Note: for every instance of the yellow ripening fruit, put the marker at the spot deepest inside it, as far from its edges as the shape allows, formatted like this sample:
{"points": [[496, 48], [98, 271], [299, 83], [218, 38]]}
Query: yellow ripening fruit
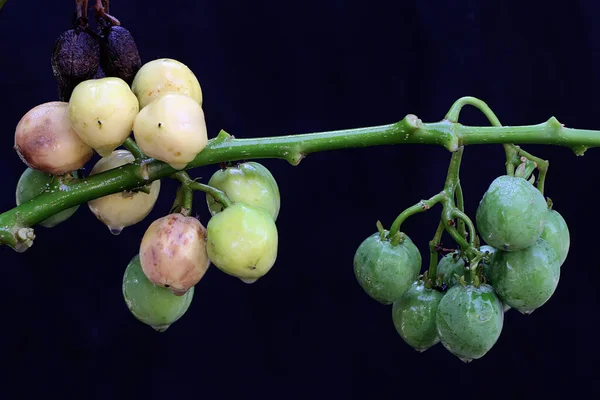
{"points": [[45, 141], [173, 252], [165, 75], [102, 112], [171, 129], [120, 210]]}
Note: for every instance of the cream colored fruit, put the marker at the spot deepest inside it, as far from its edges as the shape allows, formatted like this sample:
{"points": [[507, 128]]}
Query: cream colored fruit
{"points": [[102, 112], [173, 252], [45, 141], [120, 210], [165, 75], [171, 129]]}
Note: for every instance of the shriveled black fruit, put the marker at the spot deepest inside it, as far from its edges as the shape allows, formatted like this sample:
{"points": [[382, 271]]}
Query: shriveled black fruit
{"points": [[75, 58], [119, 56]]}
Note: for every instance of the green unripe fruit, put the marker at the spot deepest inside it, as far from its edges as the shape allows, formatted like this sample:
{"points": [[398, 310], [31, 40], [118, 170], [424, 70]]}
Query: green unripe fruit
{"points": [[31, 184], [511, 214], [449, 266], [386, 271], [242, 241], [469, 321], [526, 279], [153, 305], [556, 233], [414, 315], [250, 183]]}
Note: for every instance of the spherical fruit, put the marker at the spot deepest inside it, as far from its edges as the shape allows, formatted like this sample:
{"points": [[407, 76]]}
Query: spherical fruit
{"points": [[249, 183], [173, 252], [414, 316], [102, 112], [165, 75], [556, 233], [31, 184], [526, 279], [386, 271], [171, 129], [242, 241], [450, 265], [149, 303], [45, 141], [120, 210], [511, 214], [469, 321]]}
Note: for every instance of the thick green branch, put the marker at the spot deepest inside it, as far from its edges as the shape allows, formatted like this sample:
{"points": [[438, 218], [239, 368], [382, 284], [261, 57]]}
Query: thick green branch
{"points": [[292, 148]]}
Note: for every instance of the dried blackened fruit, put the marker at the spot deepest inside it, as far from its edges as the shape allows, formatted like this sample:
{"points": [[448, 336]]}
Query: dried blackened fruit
{"points": [[75, 58], [100, 74], [119, 56]]}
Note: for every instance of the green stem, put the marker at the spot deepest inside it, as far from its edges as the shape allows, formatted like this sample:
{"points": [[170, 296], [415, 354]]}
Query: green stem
{"points": [[420, 207], [216, 194], [460, 204], [292, 148], [133, 148], [433, 254]]}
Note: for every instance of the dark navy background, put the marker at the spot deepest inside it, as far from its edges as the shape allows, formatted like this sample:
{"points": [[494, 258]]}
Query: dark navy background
{"points": [[306, 330]]}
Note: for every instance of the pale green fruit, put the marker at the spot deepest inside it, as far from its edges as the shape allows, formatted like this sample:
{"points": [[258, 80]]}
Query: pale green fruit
{"points": [[242, 241], [149, 303]]}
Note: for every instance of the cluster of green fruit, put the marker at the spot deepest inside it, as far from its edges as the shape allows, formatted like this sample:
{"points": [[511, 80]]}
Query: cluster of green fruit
{"points": [[162, 107], [463, 305]]}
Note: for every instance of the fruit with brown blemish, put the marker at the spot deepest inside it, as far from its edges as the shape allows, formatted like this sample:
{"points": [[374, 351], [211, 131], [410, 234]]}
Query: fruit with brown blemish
{"points": [[173, 252], [162, 76], [45, 140], [102, 112], [171, 129], [149, 303], [120, 210], [242, 241]]}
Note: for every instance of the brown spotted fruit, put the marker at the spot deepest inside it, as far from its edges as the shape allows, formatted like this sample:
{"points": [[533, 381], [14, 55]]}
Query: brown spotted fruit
{"points": [[173, 252], [45, 140]]}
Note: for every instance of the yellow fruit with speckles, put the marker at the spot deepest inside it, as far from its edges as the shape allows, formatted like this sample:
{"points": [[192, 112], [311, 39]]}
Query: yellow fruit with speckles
{"points": [[171, 129]]}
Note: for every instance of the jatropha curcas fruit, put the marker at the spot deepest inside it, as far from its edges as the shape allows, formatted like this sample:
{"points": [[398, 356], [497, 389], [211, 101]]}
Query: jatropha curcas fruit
{"points": [[149, 303], [102, 112], [173, 252], [171, 129], [75, 58], [119, 55], [45, 140], [120, 210], [165, 75]]}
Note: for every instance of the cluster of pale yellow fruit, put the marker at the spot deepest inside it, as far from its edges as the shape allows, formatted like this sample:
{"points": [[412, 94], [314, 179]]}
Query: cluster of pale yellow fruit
{"points": [[163, 109]]}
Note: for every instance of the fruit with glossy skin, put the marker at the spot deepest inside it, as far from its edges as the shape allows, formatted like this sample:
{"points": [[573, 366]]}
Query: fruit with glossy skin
{"points": [[149, 303], [45, 141], [511, 214], [242, 241], [450, 265], [526, 279], [120, 210], [31, 184], [173, 252], [102, 112], [556, 233], [469, 321], [171, 129], [165, 75], [386, 271], [414, 316], [250, 183]]}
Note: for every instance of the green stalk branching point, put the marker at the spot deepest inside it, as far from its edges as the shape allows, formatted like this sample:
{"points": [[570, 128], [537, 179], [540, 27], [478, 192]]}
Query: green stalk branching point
{"points": [[294, 148]]}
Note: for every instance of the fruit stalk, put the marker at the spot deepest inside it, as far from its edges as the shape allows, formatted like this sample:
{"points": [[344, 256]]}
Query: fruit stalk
{"points": [[292, 148]]}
